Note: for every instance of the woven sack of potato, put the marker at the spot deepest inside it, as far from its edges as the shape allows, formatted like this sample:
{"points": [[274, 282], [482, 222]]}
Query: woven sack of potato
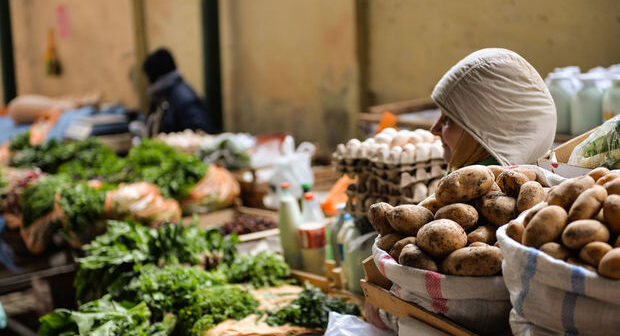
{"points": [[551, 296]]}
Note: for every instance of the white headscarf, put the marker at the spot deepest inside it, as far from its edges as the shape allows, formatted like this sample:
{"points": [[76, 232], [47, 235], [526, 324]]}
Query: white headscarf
{"points": [[500, 99]]}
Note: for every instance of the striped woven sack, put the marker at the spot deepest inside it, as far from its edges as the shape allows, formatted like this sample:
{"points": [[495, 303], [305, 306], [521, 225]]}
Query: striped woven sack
{"points": [[552, 297], [480, 304]]}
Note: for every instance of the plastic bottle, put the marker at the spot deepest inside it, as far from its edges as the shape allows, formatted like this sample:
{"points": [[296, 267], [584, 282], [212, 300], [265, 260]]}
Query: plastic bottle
{"points": [[611, 98], [357, 249], [346, 226], [586, 105], [560, 86], [335, 227], [312, 233], [289, 220], [349, 260]]}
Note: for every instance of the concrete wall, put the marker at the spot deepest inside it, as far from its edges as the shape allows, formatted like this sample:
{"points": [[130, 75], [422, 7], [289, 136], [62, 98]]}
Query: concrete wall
{"points": [[98, 55], [411, 44], [177, 26], [290, 66]]}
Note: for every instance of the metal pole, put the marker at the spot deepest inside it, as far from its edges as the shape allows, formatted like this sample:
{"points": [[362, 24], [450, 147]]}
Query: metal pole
{"points": [[211, 52], [6, 48]]}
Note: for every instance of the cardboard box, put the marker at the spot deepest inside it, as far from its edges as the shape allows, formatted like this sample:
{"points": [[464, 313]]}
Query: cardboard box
{"points": [[562, 154]]}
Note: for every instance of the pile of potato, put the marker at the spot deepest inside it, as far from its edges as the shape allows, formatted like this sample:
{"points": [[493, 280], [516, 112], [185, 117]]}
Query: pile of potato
{"points": [[454, 231], [578, 223]]}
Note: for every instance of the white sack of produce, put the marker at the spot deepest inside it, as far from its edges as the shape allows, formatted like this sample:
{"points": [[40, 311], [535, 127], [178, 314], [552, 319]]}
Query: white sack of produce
{"points": [[480, 304], [552, 297], [601, 148], [218, 189], [143, 202]]}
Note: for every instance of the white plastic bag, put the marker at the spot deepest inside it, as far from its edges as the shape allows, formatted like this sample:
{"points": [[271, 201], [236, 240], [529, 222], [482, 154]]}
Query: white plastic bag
{"points": [[552, 297], [349, 325], [293, 166]]}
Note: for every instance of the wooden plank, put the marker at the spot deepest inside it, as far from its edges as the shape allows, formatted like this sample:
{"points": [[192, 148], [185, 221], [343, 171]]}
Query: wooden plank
{"points": [[259, 235], [373, 275], [383, 299], [404, 106], [375, 118], [316, 280]]}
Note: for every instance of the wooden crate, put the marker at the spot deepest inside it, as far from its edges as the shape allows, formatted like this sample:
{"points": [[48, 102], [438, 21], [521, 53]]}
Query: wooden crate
{"points": [[376, 291], [426, 113], [218, 218]]}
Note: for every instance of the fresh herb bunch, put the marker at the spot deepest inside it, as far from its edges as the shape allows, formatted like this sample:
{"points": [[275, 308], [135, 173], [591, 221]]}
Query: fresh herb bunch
{"points": [[93, 160], [174, 172], [105, 317], [20, 141], [82, 205], [220, 303], [111, 257], [169, 288], [311, 309], [40, 198], [262, 270]]}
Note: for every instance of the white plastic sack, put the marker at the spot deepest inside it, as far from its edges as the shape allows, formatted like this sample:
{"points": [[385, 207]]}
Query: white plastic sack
{"points": [[480, 304], [293, 166], [349, 325], [552, 297], [409, 326]]}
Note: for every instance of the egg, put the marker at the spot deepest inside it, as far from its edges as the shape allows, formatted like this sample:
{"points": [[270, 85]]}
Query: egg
{"points": [[389, 131], [394, 157], [400, 139], [414, 138], [423, 151], [383, 138]]}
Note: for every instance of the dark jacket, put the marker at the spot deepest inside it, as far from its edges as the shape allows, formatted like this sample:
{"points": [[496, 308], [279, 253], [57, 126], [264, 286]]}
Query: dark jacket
{"points": [[175, 107]]}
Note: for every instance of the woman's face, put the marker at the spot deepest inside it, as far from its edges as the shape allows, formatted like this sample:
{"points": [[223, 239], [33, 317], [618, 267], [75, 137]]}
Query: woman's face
{"points": [[450, 133]]}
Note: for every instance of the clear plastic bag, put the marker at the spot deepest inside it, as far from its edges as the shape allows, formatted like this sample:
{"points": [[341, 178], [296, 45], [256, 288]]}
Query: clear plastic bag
{"points": [[349, 325], [601, 148]]}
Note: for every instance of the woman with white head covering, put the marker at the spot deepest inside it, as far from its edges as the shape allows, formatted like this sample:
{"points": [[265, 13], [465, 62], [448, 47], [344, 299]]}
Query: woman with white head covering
{"points": [[496, 109]]}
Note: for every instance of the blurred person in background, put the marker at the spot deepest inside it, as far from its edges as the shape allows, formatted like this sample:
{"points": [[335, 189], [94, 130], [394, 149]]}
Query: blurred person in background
{"points": [[174, 106]]}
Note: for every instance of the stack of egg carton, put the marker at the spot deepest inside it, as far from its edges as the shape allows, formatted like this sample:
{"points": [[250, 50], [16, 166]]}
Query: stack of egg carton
{"points": [[397, 167]]}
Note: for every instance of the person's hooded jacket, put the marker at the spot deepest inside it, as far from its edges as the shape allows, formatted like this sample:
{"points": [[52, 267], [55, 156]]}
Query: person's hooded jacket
{"points": [[498, 97]]}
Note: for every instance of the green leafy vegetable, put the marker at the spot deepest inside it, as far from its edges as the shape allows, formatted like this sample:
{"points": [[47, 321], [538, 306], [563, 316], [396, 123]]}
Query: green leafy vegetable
{"points": [[174, 172], [220, 303], [262, 270], [105, 317], [20, 141], [39, 199], [170, 288], [83, 206], [311, 309]]}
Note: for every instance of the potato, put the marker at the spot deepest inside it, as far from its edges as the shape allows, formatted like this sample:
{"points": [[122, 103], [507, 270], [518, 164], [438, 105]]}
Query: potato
{"points": [[579, 233], [578, 262], [531, 193], [464, 185], [386, 242], [528, 172], [607, 178], [413, 256], [498, 208], [474, 244], [511, 181], [473, 261], [611, 213], [495, 187], [610, 264], [398, 247], [464, 214], [377, 215], [588, 204], [440, 237], [567, 192], [431, 203], [484, 234], [528, 217], [547, 191], [514, 230], [408, 219], [613, 187], [556, 250], [496, 170], [599, 172], [593, 252], [546, 226], [600, 216]]}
